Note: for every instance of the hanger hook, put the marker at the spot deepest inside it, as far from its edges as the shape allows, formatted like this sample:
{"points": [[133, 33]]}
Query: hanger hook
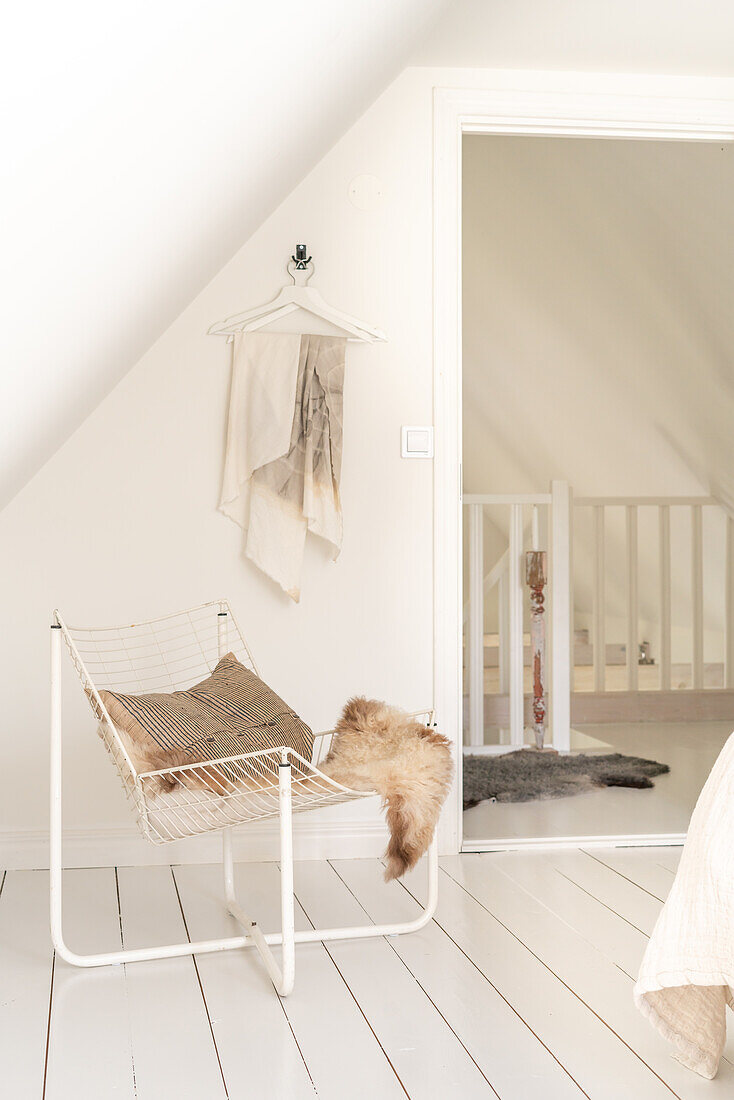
{"points": [[300, 262]]}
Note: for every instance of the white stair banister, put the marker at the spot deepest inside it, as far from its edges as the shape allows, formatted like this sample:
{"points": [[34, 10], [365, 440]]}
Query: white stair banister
{"points": [[697, 593], [632, 599], [665, 658], [599, 615], [504, 636], [516, 592], [561, 632], [476, 624], [729, 606], [504, 633], [495, 575], [508, 574]]}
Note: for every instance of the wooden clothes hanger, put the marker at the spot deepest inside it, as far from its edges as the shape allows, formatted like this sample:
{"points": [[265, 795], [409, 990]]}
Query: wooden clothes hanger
{"points": [[297, 296]]}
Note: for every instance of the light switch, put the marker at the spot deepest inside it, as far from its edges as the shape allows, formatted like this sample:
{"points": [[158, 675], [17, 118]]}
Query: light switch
{"points": [[417, 441]]}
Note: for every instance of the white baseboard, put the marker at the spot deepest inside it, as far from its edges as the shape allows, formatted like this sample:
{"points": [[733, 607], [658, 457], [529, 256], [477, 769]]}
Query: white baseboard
{"points": [[126, 847], [489, 750], [631, 840]]}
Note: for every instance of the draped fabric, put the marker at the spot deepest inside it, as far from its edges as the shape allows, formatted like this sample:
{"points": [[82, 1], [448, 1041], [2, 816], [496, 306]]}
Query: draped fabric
{"points": [[687, 975], [284, 447]]}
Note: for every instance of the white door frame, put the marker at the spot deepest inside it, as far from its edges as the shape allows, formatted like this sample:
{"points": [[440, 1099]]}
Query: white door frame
{"points": [[685, 108]]}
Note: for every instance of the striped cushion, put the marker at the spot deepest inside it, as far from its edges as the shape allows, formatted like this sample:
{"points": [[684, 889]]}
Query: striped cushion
{"points": [[230, 713]]}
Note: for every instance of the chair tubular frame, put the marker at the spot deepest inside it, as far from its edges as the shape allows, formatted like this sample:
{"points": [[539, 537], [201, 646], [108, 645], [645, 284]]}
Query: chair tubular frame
{"points": [[281, 974]]}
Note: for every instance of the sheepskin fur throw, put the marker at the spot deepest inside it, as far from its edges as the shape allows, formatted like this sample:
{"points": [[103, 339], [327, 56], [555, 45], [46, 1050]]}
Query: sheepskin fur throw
{"points": [[380, 748]]}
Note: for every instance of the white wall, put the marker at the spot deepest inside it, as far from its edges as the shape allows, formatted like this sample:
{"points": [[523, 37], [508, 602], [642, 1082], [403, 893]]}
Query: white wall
{"points": [[122, 523], [596, 274]]}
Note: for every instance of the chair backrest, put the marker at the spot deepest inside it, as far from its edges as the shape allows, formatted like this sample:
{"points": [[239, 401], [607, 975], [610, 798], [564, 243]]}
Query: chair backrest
{"points": [[165, 654]]}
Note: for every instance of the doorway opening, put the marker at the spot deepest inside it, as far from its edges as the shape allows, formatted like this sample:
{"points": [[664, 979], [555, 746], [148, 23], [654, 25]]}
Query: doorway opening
{"points": [[595, 276]]}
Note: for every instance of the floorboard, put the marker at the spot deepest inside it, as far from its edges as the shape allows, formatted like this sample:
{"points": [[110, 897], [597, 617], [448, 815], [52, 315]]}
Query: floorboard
{"points": [[173, 1047], [25, 983], [631, 864], [89, 1046], [617, 894], [577, 1037], [620, 941], [520, 989], [257, 1061], [669, 858], [319, 1028], [427, 1055], [637, 906], [503, 1045], [596, 981]]}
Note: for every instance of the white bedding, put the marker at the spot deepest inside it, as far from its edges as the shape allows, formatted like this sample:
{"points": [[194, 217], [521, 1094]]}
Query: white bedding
{"points": [[687, 975]]}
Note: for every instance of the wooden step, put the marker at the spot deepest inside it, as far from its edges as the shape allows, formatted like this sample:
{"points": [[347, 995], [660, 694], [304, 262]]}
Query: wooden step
{"points": [[583, 653], [683, 705]]}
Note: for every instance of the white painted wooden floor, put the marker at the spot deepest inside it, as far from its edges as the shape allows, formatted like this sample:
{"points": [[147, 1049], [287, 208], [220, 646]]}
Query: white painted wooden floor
{"points": [[520, 989]]}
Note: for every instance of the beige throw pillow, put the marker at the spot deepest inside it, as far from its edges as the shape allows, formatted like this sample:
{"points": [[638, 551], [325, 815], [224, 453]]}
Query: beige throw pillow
{"points": [[230, 713]]}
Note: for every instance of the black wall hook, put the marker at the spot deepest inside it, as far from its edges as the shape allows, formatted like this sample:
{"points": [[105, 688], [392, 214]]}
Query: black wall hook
{"points": [[300, 259]]}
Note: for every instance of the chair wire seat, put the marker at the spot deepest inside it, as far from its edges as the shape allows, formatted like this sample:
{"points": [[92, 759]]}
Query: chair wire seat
{"points": [[169, 654]]}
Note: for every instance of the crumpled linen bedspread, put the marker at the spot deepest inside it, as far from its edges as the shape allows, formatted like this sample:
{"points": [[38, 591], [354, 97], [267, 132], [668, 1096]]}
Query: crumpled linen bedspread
{"points": [[687, 975]]}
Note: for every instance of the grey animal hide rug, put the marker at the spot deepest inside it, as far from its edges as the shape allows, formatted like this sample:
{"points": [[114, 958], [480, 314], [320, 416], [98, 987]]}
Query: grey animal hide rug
{"points": [[527, 775]]}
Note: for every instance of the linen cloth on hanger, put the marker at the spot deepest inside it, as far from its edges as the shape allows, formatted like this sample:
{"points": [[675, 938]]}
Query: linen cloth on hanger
{"points": [[284, 448]]}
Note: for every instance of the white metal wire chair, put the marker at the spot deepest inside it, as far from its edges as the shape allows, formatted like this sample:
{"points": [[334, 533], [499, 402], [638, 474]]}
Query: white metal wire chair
{"points": [[167, 654]]}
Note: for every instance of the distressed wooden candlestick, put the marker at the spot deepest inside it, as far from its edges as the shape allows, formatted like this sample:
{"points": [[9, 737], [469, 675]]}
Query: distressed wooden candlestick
{"points": [[535, 577]]}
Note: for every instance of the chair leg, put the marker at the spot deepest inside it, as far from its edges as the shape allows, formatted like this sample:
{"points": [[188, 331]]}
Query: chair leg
{"points": [[287, 916], [354, 932], [282, 976], [55, 790], [228, 867]]}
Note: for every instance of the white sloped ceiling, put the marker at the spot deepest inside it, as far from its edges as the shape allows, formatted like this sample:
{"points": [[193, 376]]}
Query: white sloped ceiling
{"points": [[143, 145]]}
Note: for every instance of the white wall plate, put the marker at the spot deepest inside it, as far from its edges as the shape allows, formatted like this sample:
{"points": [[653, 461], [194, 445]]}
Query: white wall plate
{"points": [[416, 441]]}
